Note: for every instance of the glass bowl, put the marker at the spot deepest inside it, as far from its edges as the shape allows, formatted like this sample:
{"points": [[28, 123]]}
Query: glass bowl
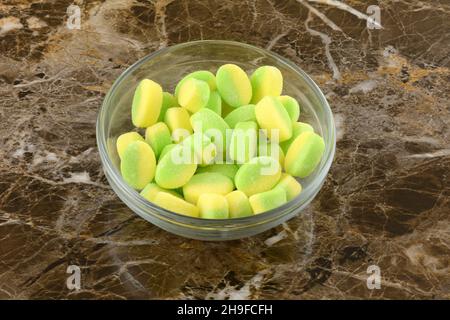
{"points": [[167, 66]]}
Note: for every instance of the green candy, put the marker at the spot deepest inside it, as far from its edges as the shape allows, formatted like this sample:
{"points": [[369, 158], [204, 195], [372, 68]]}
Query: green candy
{"points": [[258, 175], [234, 85], [138, 164], [304, 154], [175, 169], [244, 113]]}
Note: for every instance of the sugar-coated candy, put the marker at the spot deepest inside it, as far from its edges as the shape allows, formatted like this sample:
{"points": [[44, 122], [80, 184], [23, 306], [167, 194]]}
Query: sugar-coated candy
{"points": [[212, 125], [147, 102], [177, 119], [215, 102], [175, 169], [193, 95], [272, 116], [268, 200], [243, 113], [152, 189], [304, 154], [258, 175], [137, 165], [203, 75], [234, 85], [292, 187], [297, 129], [213, 206], [125, 139], [158, 136], [208, 182], [291, 106], [227, 169], [266, 81], [238, 204], [169, 101], [175, 204]]}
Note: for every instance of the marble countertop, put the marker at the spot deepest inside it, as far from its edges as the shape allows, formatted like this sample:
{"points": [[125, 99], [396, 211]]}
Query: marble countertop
{"points": [[385, 206]]}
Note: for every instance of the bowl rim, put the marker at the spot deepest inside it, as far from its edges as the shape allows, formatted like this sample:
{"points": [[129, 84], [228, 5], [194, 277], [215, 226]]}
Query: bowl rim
{"points": [[150, 208]]}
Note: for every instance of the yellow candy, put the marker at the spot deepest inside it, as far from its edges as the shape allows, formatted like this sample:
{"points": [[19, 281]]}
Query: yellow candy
{"points": [[304, 154], [208, 182], [213, 206], [268, 200], [177, 119], [152, 189], [233, 85], [175, 204], [258, 175], [158, 136], [193, 95], [271, 115], [238, 204], [125, 139], [266, 81], [147, 102], [290, 185], [138, 164]]}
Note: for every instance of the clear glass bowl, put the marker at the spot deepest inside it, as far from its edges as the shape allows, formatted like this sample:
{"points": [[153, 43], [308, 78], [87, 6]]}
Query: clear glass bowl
{"points": [[167, 66]]}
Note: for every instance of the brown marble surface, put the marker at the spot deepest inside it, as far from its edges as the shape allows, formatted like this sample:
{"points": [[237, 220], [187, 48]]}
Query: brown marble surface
{"points": [[386, 201]]}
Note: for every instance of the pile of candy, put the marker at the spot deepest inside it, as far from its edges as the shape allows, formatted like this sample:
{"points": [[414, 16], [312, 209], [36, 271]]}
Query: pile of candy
{"points": [[223, 146]]}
